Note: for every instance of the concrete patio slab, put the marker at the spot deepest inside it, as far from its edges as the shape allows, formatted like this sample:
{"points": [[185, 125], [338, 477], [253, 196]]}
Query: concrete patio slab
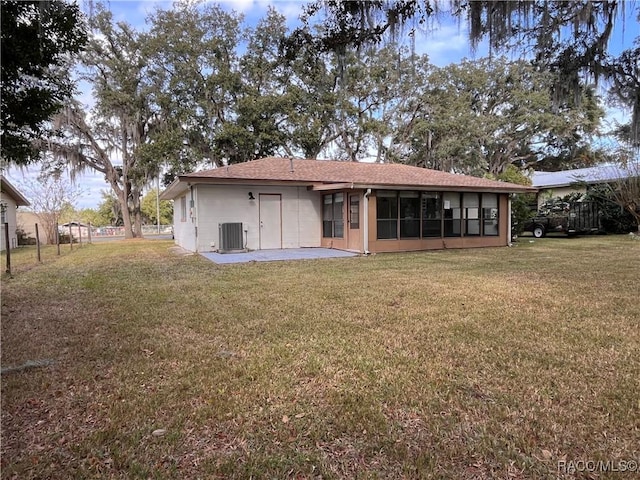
{"points": [[276, 255]]}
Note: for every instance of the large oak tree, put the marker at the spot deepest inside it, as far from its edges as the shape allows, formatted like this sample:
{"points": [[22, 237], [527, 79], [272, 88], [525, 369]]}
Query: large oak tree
{"points": [[118, 135]]}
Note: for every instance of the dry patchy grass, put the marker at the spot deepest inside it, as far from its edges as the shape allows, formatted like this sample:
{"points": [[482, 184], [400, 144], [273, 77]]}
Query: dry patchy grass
{"points": [[491, 363]]}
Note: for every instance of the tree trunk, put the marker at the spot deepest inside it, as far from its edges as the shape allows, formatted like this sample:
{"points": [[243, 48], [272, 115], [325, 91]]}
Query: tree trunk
{"points": [[122, 196], [126, 216], [137, 214]]}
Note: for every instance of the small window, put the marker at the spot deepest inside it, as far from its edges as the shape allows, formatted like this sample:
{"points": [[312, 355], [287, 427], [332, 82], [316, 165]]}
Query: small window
{"points": [[354, 212], [3, 214], [338, 217], [183, 209]]}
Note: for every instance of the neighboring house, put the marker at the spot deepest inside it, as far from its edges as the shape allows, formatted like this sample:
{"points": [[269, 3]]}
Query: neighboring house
{"points": [[565, 182], [275, 203], [10, 200], [27, 222]]}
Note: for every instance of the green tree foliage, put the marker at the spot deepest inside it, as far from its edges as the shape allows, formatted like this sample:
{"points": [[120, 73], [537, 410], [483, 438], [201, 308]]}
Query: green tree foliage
{"points": [[234, 107], [377, 90], [314, 97], [484, 115], [614, 218], [521, 203], [566, 38], [625, 191], [625, 90], [110, 210], [193, 50], [91, 216], [149, 207], [38, 41]]}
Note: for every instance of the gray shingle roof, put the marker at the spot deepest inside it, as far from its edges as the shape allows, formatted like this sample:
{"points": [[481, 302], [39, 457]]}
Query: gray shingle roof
{"points": [[591, 175]]}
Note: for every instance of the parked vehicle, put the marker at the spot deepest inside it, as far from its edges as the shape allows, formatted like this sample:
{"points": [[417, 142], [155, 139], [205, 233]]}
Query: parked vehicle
{"points": [[563, 217]]}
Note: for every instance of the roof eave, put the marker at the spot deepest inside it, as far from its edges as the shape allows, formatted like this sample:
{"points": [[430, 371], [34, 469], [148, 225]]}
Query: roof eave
{"points": [[13, 192], [194, 180], [175, 189], [448, 188]]}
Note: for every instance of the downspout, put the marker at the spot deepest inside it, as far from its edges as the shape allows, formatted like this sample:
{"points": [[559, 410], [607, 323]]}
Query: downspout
{"points": [[366, 221], [509, 233]]}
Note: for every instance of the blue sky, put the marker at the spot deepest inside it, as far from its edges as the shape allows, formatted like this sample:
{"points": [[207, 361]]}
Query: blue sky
{"points": [[447, 42]]}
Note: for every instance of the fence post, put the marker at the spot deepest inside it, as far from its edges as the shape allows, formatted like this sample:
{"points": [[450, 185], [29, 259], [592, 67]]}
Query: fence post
{"points": [[7, 244], [38, 243], [58, 238], [79, 235], [89, 232]]}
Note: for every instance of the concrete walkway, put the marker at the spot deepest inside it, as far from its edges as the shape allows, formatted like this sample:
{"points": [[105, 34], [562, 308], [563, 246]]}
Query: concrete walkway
{"points": [[274, 255]]}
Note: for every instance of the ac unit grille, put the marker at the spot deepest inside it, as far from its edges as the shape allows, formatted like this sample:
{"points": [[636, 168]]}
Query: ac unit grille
{"points": [[231, 237]]}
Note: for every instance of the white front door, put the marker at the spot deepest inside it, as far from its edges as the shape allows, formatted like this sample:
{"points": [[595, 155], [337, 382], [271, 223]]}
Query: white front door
{"points": [[270, 221]]}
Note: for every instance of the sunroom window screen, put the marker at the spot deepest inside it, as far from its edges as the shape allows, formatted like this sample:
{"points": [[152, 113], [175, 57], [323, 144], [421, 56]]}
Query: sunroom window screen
{"points": [[409, 215], [451, 208], [490, 214], [471, 205], [387, 213], [431, 214]]}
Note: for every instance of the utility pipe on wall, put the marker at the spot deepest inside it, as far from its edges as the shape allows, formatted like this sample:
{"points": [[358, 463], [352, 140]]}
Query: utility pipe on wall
{"points": [[509, 234], [366, 221]]}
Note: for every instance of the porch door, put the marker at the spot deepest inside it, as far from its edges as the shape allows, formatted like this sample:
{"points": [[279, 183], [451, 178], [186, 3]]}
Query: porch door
{"points": [[354, 235], [270, 221]]}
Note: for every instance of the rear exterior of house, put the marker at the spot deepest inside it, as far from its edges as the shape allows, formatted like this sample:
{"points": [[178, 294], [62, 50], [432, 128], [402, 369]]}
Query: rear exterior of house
{"points": [[277, 203], [277, 217]]}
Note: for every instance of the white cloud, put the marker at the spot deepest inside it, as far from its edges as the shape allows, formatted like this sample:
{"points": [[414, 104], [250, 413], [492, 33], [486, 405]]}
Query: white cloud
{"points": [[256, 9], [240, 6], [447, 43]]}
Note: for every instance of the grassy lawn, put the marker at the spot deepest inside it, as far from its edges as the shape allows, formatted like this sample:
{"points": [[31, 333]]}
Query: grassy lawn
{"points": [[486, 363]]}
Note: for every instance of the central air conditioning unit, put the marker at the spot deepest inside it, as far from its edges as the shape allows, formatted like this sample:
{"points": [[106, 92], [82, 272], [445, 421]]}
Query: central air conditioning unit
{"points": [[231, 237]]}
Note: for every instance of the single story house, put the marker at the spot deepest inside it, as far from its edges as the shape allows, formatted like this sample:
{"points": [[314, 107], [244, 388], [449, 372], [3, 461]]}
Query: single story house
{"points": [[79, 230], [274, 203], [562, 183], [10, 200]]}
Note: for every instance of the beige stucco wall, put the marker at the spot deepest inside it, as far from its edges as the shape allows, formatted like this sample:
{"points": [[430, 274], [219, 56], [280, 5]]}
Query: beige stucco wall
{"points": [[27, 221], [216, 204]]}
